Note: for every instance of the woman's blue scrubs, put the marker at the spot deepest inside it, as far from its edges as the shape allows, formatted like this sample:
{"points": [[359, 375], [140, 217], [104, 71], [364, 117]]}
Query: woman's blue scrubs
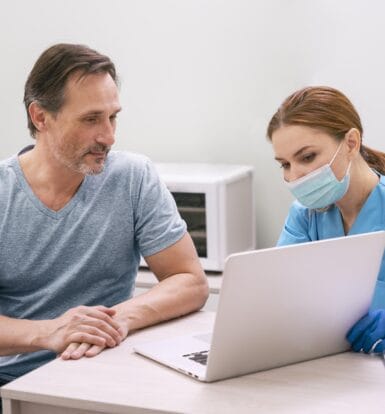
{"points": [[303, 225]]}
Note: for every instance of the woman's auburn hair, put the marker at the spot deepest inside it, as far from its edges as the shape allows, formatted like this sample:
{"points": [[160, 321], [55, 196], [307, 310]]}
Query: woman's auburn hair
{"points": [[328, 110]]}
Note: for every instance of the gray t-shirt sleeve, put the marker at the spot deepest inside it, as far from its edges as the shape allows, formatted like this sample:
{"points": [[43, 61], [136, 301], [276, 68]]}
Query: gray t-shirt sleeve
{"points": [[158, 224]]}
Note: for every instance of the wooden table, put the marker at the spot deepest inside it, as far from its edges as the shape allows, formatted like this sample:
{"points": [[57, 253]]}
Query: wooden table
{"points": [[120, 381]]}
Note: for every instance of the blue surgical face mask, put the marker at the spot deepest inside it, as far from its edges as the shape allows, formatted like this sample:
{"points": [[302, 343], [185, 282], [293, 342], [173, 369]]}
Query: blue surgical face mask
{"points": [[320, 188]]}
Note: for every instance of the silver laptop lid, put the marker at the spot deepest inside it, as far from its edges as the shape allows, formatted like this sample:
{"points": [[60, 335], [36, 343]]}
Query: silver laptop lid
{"points": [[288, 304]]}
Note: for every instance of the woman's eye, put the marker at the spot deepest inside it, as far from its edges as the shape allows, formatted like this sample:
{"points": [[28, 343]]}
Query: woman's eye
{"points": [[285, 165], [308, 157]]}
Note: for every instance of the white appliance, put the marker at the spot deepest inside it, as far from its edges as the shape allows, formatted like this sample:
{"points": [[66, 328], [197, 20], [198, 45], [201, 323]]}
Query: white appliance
{"points": [[217, 203]]}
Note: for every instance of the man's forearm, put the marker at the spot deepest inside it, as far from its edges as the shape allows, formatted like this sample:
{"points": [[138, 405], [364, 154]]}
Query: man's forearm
{"points": [[18, 336], [182, 289], [84, 324], [174, 296]]}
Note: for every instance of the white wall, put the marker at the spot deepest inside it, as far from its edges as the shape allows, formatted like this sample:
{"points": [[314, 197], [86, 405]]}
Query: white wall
{"points": [[201, 78]]}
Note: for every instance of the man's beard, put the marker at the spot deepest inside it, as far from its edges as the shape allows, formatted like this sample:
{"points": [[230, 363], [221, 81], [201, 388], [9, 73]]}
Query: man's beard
{"points": [[79, 165]]}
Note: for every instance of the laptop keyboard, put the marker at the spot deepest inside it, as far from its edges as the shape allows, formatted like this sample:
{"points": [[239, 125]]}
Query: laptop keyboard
{"points": [[200, 357]]}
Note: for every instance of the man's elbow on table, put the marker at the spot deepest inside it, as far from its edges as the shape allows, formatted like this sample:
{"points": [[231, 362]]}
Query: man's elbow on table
{"points": [[202, 291]]}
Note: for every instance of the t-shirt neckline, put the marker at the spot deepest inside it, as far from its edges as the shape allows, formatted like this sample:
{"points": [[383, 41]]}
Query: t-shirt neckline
{"points": [[37, 202]]}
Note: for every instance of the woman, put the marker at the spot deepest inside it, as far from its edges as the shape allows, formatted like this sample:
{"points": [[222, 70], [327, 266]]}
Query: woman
{"points": [[339, 184]]}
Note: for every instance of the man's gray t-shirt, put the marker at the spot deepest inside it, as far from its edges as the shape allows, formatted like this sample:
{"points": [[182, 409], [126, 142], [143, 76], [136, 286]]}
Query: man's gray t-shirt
{"points": [[88, 252]]}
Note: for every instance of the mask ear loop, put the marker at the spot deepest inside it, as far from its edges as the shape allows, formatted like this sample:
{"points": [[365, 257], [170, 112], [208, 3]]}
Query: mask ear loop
{"points": [[348, 169], [335, 154]]}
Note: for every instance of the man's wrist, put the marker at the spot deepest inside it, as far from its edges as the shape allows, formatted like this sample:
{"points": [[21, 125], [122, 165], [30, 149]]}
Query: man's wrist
{"points": [[135, 314], [38, 336]]}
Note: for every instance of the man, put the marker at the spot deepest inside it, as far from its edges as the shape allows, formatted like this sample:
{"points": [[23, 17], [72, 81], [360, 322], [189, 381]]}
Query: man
{"points": [[74, 220]]}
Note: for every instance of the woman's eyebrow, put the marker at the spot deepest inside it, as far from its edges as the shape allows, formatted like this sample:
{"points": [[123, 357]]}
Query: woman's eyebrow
{"points": [[299, 152]]}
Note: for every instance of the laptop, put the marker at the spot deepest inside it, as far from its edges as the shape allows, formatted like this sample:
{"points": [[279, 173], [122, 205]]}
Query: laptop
{"points": [[279, 306]]}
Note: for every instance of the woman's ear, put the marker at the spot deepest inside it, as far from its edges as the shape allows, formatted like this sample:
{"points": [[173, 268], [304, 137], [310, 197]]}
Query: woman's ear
{"points": [[353, 141]]}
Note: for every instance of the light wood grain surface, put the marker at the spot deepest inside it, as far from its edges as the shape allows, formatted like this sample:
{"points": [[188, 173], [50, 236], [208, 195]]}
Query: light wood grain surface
{"points": [[119, 381]]}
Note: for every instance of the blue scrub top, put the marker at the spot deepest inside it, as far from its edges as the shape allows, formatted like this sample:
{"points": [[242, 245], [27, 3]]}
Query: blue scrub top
{"points": [[304, 225]]}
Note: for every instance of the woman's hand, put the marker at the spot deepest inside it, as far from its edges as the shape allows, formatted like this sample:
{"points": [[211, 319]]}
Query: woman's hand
{"points": [[368, 334]]}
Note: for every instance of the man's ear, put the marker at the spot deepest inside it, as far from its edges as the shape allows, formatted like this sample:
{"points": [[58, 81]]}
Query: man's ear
{"points": [[38, 116], [353, 141]]}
